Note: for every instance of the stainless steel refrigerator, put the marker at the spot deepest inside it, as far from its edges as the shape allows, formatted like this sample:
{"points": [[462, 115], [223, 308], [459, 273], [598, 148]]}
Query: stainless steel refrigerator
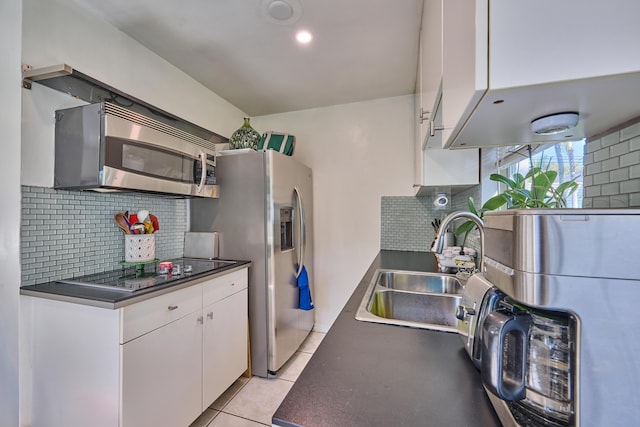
{"points": [[264, 214]]}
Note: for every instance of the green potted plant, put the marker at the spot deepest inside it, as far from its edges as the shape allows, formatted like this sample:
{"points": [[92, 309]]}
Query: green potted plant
{"points": [[533, 190]]}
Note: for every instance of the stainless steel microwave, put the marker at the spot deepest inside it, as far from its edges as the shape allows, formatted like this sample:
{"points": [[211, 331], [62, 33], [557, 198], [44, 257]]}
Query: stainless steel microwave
{"points": [[106, 147]]}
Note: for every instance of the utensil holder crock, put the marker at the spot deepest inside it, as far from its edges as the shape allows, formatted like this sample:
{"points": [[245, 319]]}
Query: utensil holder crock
{"points": [[139, 247]]}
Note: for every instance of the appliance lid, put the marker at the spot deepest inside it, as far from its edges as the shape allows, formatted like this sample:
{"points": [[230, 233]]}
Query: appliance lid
{"points": [[593, 243]]}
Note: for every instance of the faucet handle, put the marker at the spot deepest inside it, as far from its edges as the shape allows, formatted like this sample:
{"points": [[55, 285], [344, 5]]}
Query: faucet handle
{"points": [[462, 312]]}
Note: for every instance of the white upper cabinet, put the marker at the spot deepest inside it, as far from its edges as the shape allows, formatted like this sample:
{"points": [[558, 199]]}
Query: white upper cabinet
{"points": [[430, 65], [464, 60], [509, 62], [436, 169]]}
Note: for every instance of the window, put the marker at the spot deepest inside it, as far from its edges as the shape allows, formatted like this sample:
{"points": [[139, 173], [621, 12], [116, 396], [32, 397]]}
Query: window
{"points": [[565, 157]]}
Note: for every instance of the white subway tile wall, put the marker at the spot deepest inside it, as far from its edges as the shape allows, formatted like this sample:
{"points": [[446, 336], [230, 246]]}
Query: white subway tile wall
{"points": [[72, 233], [405, 222], [612, 169]]}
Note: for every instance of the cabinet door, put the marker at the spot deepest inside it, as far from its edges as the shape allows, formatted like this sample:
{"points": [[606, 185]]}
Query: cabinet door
{"points": [[225, 345], [465, 62], [449, 168], [431, 59], [427, 81], [162, 375]]}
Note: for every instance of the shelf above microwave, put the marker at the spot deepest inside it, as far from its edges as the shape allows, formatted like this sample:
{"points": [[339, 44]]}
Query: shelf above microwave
{"points": [[66, 79]]}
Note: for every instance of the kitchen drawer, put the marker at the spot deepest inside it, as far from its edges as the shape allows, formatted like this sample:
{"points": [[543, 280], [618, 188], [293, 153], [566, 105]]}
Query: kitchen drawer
{"points": [[223, 286], [138, 319]]}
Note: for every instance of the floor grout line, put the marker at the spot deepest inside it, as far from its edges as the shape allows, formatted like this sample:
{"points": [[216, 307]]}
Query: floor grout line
{"points": [[245, 418], [244, 384]]}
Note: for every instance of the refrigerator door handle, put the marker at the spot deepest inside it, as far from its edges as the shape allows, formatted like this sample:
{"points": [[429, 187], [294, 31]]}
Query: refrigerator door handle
{"points": [[303, 236]]}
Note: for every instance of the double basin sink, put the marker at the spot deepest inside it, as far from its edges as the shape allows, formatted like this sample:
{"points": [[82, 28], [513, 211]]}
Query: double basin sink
{"points": [[415, 299]]}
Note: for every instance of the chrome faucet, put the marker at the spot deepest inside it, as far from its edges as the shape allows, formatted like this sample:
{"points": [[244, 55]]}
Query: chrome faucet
{"points": [[438, 244]]}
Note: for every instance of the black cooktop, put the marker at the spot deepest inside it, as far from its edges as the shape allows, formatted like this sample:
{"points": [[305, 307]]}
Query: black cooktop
{"points": [[132, 278]]}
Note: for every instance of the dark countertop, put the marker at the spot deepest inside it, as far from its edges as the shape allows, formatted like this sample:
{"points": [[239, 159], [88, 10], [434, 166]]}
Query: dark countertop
{"points": [[112, 299], [369, 374]]}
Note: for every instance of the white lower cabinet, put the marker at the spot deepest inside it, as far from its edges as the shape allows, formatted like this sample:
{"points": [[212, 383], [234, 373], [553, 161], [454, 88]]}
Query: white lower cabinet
{"points": [[161, 382], [225, 346], [158, 363]]}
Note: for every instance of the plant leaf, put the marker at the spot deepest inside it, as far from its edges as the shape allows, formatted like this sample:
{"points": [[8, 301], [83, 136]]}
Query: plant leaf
{"points": [[465, 227], [503, 179], [495, 202], [472, 206], [519, 179]]}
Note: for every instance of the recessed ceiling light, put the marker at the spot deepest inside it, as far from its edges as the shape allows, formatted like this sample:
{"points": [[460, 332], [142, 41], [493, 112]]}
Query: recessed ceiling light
{"points": [[281, 12], [304, 37], [554, 123]]}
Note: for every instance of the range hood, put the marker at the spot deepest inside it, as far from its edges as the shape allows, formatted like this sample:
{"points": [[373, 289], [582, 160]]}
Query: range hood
{"points": [[66, 79]]}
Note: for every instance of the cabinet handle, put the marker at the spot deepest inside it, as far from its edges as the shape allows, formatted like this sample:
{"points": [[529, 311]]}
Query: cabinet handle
{"points": [[172, 307], [433, 128], [210, 315], [200, 320], [424, 115]]}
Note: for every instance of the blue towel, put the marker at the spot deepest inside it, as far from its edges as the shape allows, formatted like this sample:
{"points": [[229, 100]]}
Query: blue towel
{"points": [[305, 293]]}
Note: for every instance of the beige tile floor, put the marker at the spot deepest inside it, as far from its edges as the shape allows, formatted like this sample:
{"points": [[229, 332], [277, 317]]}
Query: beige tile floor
{"points": [[250, 402]]}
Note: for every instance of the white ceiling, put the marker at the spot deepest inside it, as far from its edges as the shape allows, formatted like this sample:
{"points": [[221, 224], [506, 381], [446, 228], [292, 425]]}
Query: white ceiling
{"points": [[362, 49]]}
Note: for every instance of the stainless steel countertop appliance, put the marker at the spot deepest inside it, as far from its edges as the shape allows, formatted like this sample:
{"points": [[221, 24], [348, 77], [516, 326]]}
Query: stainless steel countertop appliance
{"points": [[265, 215], [555, 334], [106, 147]]}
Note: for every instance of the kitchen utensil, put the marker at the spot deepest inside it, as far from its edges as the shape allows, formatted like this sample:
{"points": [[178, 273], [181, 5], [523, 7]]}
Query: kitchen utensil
{"points": [[142, 215], [122, 222], [133, 218], [138, 228], [154, 222]]}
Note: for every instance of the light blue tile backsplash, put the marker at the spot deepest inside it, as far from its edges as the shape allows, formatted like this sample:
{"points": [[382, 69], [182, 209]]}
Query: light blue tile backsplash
{"points": [[405, 221], [72, 233]]}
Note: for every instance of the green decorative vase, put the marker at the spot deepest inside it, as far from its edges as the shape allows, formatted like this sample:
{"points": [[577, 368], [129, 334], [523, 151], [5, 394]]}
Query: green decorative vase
{"points": [[245, 137]]}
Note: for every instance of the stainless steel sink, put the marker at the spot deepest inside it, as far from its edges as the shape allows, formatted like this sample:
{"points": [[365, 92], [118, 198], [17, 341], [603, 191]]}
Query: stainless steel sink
{"points": [[406, 298], [419, 282]]}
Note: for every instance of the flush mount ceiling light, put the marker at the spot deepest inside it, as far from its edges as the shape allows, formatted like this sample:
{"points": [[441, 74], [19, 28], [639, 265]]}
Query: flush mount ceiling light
{"points": [[281, 12], [554, 123]]}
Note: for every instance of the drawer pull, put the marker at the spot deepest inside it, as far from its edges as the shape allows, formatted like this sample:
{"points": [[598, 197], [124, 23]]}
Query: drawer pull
{"points": [[172, 307], [200, 320], [210, 315]]}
